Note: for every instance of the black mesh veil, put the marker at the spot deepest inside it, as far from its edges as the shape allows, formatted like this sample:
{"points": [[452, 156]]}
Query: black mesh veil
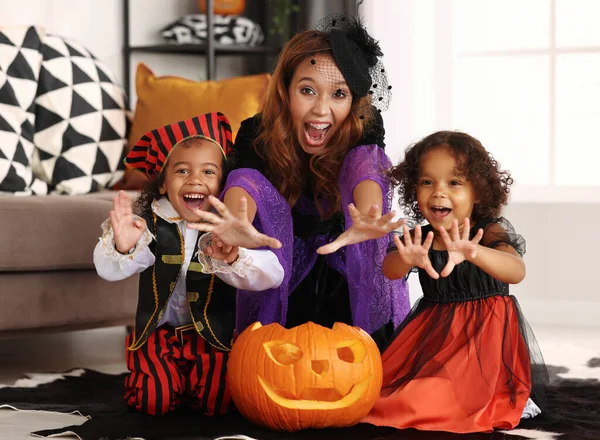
{"points": [[358, 58]]}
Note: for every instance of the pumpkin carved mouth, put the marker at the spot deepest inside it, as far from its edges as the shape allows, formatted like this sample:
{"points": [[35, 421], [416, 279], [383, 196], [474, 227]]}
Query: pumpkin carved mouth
{"points": [[316, 398]]}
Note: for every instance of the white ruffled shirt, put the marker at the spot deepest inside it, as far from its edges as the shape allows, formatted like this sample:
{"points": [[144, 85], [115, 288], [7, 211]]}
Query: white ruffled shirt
{"points": [[254, 270]]}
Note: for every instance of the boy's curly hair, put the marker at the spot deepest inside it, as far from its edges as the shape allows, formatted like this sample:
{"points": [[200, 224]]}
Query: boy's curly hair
{"points": [[151, 190], [490, 183]]}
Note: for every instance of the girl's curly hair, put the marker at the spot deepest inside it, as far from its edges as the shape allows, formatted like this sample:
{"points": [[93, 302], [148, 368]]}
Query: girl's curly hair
{"points": [[490, 183], [151, 190]]}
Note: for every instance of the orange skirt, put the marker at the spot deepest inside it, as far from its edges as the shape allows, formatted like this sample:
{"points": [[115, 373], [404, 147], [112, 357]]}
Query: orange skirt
{"points": [[459, 367]]}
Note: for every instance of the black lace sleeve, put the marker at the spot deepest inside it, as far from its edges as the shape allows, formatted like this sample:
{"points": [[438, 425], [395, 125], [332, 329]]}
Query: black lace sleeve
{"points": [[243, 154], [501, 232], [375, 132]]}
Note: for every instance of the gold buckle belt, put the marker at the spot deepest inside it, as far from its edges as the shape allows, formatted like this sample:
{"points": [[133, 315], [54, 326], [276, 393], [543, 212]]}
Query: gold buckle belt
{"points": [[179, 331]]}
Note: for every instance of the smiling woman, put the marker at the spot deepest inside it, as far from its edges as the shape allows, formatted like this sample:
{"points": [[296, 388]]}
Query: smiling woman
{"points": [[312, 168], [317, 106]]}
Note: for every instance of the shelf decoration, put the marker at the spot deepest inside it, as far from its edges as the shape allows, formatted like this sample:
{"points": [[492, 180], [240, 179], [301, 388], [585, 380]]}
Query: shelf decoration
{"points": [[229, 30], [224, 7]]}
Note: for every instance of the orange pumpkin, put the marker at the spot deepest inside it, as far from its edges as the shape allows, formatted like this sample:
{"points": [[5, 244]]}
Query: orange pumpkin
{"points": [[224, 7], [305, 377]]}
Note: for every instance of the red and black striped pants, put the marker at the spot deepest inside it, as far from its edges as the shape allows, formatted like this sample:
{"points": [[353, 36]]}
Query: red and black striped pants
{"points": [[174, 368]]}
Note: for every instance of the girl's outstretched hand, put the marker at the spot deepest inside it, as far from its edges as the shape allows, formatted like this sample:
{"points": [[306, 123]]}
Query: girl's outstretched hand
{"points": [[459, 248], [126, 228], [232, 229], [364, 227], [417, 253]]}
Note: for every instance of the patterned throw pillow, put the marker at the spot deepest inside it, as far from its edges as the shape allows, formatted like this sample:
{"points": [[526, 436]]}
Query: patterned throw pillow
{"points": [[20, 61], [81, 120], [229, 29]]}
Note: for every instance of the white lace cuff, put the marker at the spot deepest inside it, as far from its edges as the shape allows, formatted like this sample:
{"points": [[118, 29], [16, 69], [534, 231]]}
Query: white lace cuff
{"points": [[109, 249], [212, 265]]}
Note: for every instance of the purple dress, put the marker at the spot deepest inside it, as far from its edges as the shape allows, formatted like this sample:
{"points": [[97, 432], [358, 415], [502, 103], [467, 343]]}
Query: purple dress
{"points": [[353, 273]]}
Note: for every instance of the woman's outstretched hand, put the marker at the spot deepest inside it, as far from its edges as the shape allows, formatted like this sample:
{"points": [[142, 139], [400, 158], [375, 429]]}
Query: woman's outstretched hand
{"points": [[364, 227], [232, 229]]}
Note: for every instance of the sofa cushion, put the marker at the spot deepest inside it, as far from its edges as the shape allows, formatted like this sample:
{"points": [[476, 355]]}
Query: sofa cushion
{"points": [[81, 120], [64, 300], [51, 232], [20, 61], [163, 100]]}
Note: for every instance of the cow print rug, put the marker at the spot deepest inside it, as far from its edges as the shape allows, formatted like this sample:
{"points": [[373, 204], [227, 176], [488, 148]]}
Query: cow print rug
{"points": [[573, 410]]}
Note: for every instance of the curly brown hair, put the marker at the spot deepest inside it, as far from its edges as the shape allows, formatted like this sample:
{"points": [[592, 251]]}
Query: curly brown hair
{"points": [[490, 183], [151, 189], [150, 192], [286, 162]]}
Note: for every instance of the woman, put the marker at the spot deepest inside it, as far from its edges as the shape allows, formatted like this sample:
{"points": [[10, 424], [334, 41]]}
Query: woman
{"points": [[310, 171]]}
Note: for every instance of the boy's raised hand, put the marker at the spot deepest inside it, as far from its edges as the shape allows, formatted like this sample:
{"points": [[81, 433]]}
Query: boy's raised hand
{"points": [[230, 229], [459, 248], [127, 229], [220, 251], [364, 227], [416, 254]]}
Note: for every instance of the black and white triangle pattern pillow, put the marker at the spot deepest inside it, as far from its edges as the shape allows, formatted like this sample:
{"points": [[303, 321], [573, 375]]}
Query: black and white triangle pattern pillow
{"points": [[81, 120], [20, 61]]}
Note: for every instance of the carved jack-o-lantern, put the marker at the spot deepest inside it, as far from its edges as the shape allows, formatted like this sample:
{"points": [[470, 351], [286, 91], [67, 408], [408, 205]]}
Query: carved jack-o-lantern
{"points": [[305, 377]]}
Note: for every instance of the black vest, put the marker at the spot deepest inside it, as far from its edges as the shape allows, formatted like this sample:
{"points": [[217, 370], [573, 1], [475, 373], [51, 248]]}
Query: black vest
{"points": [[211, 301]]}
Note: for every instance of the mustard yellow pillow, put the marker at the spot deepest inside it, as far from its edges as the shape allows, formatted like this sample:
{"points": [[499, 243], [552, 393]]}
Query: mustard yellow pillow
{"points": [[166, 99]]}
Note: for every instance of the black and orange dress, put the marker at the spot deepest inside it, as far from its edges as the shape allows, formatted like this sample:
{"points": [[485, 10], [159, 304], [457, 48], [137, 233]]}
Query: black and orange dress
{"points": [[464, 360]]}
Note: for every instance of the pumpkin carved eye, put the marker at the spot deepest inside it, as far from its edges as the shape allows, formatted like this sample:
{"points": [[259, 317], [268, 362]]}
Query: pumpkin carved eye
{"points": [[283, 352], [353, 352]]}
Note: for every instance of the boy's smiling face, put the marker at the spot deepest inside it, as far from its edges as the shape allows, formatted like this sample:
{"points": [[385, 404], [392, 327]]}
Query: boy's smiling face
{"points": [[193, 172]]}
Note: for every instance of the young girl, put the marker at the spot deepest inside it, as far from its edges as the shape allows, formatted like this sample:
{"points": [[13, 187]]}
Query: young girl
{"points": [[462, 359], [185, 318], [312, 168]]}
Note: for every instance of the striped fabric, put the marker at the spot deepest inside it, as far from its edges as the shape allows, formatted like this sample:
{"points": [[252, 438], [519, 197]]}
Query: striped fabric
{"points": [[168, 371], [150, 153]]}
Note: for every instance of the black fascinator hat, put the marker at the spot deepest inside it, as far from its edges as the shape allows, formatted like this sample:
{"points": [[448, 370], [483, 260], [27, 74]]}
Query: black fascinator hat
{"points": [[358, 57]]}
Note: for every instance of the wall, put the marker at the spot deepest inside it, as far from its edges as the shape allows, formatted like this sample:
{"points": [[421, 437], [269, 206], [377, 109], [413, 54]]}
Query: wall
{"points": [[98, 25], [561, 287]]}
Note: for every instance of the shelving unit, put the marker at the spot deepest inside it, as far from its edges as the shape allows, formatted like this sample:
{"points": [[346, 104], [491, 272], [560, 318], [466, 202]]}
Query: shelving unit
{"points": [[201, 49], [257, 10]]}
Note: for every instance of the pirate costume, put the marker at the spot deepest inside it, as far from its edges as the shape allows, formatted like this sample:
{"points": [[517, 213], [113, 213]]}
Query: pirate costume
{"points": [[185, 317], [347, 286]]}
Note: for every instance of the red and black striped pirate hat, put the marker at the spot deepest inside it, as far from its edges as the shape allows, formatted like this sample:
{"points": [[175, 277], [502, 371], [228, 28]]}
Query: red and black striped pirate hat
{"points": [[151, 152]]}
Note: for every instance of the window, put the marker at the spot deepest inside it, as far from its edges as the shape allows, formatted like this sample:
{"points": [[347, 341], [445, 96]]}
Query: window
{"points": [[521, 76]]}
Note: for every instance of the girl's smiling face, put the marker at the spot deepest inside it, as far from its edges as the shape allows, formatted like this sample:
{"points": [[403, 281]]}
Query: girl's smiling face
{"points": [[443, 191]]}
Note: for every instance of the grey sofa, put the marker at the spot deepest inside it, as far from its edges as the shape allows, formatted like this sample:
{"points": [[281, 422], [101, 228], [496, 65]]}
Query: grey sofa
{"points": [[47, 277]]}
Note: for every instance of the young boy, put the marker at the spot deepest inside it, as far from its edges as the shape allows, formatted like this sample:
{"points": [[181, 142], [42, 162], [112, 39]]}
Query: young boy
{"points": [[185, 317]]}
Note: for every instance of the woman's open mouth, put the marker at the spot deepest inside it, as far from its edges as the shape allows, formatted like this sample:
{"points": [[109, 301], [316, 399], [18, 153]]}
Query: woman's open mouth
{"points": [[315, 133]]}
